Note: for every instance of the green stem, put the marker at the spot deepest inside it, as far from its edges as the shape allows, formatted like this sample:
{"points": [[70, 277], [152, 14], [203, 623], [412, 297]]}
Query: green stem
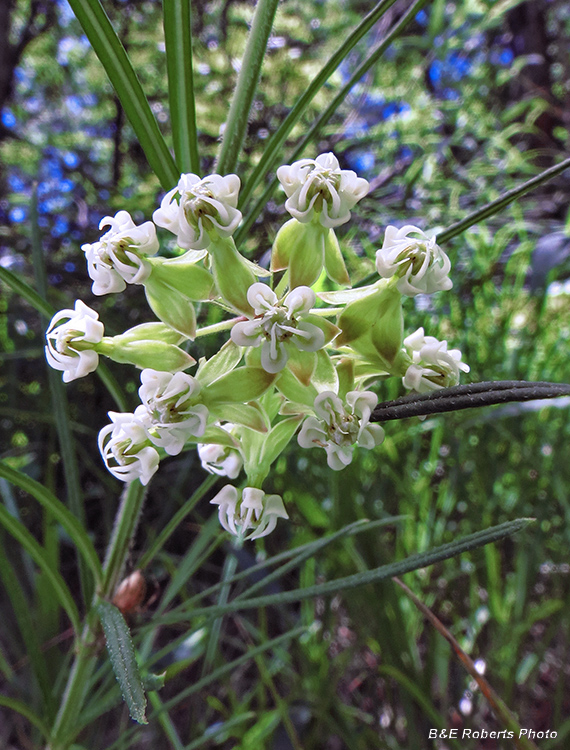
{"points": [[217, 327], [71, 705], [246, 85]]}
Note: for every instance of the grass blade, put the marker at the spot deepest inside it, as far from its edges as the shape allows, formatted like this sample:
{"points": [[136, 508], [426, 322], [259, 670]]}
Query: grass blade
{"points": [[176, 520], [69, 522], [122, 655], [178, 42], [497, 205], [26, 712], [274, 144], [27, 627], [60, 406], [246, 85], [499, 707], [414, 562], [37, 553], [24, 290], [19, 286], [113, 57]]}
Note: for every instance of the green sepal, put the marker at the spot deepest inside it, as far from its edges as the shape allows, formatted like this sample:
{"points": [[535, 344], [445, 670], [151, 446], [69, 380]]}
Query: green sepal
{"points": [[242, 384], [295, 391], [359, 317], [232, 274], [225, 360], [387, 331], [150, 332], [345, 373], [307, 256], [325, 377], [171, 306], [278, 439], [189, 279], [334, 262], [156, 355], [301, 249], [346, 296], [329, 329], [302, 364], [249, 415], [216, 436]]}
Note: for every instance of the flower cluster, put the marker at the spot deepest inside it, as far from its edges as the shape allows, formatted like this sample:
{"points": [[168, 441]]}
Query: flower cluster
{"points": [[295, 363]]}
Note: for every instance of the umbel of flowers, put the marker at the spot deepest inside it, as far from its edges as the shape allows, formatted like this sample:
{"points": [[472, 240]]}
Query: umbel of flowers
{"points": [[295, 362]]}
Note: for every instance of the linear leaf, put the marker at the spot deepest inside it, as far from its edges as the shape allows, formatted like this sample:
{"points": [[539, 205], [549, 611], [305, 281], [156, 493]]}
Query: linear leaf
{"points": [[28, 293], [24, 710], [122, 655], [60, 405], [38, 554], [467, 396], [273, 144], [246, 85], [497, 205], [316, 127], [414, 562], [69, 522], [27, 626], [178, 43], [114, 59]]}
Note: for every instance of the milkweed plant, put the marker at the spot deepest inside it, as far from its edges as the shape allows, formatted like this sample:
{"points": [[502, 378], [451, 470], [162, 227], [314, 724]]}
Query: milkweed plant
{"points": [[297, 364]]}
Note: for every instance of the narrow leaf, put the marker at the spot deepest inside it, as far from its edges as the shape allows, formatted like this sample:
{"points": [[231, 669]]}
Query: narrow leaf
{"points": [[414, 562], [122, 655], [69, 522], [114, 59], [467, 396], [38, 554], [274, 144], [178, 43], [497, 205], [246, 85]]}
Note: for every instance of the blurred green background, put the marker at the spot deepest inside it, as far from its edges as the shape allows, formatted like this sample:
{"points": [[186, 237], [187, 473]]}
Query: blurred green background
{"points": [[470, 102]]}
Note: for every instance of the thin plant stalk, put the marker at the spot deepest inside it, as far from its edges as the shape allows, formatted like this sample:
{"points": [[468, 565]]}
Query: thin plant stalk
{"points": [[126, 522]]}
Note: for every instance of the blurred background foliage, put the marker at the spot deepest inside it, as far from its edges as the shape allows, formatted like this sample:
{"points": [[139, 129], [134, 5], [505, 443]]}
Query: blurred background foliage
{"points": [[471, 101]]}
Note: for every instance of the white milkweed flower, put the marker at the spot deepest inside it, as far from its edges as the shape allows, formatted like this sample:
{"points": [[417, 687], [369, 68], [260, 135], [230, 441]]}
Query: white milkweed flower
{"points": [[421, 264], [320, 188], [118, 258], [338, 429], [167, 412], [70, 338], [125, 449], [204, 206], [221, 459], [250, 509], [433, 364], [278, 324]]}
